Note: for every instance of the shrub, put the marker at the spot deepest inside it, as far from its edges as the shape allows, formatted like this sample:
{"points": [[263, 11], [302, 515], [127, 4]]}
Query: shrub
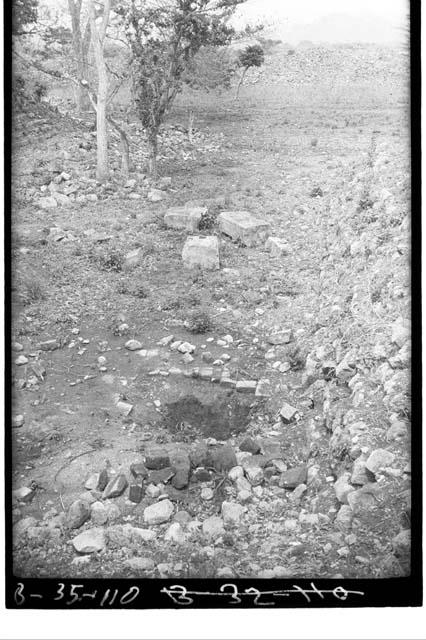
{"points": [[199, 322]]}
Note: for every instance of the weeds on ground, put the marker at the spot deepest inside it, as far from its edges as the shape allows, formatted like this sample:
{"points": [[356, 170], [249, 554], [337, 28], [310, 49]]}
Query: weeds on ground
{"points": [[108, 258]]}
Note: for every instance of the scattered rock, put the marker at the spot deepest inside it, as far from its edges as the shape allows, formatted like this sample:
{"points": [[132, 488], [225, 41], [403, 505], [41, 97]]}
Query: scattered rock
{"points": [[287, 413], [133, 345], [222, 459], [175, 534], [213, 527], [254, 475], [182, 517], [139, 470], [201, 252], [402, 543], [235, 473], [379, 459], [155, 195], [246, 386], [90, 541], [281, 337], [140, 564], [344, 517], [397, 430], [181, 466], [232, 512], [400, 332], [20, 527], [360, 474], [249, 444], [115, 487], [276, 246], [187, 218], [77, 514], [207, 494], [293, 477], [159, 512], [18, 421], [263, 389], [342, 488], [98, 513], [20, 360], [135, 493]]}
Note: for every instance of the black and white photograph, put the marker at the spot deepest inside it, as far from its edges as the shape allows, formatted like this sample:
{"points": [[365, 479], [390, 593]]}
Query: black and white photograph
{"points": [[214, 219]]}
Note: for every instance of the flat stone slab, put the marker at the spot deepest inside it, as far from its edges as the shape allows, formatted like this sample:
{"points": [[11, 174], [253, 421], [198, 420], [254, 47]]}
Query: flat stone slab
{"points": [[201, 252], [187, 218], [241, 225]]}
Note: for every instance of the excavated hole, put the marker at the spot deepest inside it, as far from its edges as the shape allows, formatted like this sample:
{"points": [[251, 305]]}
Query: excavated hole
{"points": [[211, 414]]}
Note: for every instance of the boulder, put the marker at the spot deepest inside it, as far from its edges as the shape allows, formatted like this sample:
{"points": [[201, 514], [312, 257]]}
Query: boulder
{"points": [[223, 458], [181, 466], [287, 413], [293, 477], [379, 459], [242, 226], [158, 513], [99, 513], [187, 218], [77, 514], [249, 444], [115, 487], [90, 541], [201, 252]]}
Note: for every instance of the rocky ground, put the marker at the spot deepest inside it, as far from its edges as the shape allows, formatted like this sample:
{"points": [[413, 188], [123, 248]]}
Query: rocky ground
{"points": [[246, 421]]}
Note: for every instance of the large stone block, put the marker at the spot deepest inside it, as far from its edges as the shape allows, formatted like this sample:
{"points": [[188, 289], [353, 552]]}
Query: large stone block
{"points": [[187, 218], [241, 225], [201, 252]]}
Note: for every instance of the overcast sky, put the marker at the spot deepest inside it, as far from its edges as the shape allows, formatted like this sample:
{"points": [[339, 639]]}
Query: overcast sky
{"points": [[302, 11]]}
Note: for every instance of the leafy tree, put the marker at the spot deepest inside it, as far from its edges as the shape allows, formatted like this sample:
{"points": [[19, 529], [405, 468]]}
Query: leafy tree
{"points": [[251, 56], [164, 36], [24, 12], [211, 69]]}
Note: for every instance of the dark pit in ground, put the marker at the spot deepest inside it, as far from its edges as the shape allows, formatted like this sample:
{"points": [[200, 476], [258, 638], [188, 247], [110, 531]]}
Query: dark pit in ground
{"points": [[211, 414]]}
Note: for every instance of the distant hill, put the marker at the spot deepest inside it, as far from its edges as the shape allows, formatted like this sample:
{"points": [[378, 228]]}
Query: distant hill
{"points": [[342, 28]]}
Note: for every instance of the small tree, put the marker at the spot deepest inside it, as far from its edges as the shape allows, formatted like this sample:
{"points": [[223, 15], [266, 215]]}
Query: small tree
{"points": [[98, 36], [164, 36], [251, 56]]}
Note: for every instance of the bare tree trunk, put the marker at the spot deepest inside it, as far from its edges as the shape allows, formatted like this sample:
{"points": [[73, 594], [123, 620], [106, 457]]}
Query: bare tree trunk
{"points": [[80, 49], [153, 152], [240, 83], [98, 37], [125, 148]]}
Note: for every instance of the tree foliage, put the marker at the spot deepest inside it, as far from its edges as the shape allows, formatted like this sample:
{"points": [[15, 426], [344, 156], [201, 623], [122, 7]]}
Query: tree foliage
{"points": [[212, 68], [164, 37], [251, 56], [24, 13]]}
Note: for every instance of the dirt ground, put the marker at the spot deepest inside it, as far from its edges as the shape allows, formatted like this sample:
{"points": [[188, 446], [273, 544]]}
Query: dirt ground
{"points": [[302, 158]]}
